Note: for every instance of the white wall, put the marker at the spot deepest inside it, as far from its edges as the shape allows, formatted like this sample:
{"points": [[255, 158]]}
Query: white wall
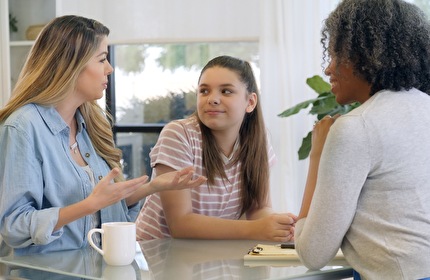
{"points": [[290, 52], [169, 21]]}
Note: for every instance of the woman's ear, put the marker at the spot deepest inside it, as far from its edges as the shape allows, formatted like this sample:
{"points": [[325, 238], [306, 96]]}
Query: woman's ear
{"points": [[252, 102]]}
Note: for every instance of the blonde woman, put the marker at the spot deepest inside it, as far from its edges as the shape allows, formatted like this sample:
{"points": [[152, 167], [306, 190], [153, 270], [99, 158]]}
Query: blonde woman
{"points": [[59, 169]]}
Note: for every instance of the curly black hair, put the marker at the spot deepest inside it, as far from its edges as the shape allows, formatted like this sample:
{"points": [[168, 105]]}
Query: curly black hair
{"points": [[387, 42]]}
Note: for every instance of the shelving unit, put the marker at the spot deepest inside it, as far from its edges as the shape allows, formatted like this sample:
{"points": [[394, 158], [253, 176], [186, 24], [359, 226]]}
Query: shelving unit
{"points": [[14, 46]]}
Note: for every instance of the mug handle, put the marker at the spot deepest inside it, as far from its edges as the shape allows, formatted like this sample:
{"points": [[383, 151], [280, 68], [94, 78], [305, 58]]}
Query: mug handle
{"points": [[91, 241]]}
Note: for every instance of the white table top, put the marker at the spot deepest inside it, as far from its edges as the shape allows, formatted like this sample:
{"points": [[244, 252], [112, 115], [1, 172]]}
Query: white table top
{"points": [[168, 259]]}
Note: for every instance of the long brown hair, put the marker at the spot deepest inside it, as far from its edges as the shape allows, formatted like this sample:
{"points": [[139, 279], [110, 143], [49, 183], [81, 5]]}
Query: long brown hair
{"points": [[253, 143], [51, 70]]}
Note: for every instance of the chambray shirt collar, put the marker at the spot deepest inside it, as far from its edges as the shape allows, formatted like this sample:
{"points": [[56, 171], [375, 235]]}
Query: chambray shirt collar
{"points": [[55, 122], [80, 120]]}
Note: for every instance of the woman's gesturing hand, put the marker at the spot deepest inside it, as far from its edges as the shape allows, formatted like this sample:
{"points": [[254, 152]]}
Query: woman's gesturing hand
{"points": [[176, 180], [106, 192]]}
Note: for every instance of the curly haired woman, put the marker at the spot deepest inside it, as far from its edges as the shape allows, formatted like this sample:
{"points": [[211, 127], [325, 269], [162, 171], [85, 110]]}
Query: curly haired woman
{"points": [[368, 185]]}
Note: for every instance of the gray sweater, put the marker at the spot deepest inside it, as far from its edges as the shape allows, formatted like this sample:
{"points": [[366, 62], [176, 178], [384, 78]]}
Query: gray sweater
{"points": [[372, 196]]}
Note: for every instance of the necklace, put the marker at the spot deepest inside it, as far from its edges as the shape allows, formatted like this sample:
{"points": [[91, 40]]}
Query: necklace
{"points": [[227, 159], [74, 147]]}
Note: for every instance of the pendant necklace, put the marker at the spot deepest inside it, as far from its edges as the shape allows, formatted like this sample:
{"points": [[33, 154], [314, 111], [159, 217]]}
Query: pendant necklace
{"points": [[74, 147]]}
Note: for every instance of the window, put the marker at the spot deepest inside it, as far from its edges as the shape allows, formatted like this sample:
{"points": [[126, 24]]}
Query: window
{"points": [[155, 83]]}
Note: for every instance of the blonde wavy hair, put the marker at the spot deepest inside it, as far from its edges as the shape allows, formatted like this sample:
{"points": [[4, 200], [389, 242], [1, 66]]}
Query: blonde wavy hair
{"points": [[51, 70]]}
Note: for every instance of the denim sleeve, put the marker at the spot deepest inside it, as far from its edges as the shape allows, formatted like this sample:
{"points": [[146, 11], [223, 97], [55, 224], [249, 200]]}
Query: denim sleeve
{"points": [[22, 221], [133, 211]]}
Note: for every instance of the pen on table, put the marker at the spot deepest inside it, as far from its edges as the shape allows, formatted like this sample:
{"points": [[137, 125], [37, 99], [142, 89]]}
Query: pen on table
{"points": [[287, 245]]}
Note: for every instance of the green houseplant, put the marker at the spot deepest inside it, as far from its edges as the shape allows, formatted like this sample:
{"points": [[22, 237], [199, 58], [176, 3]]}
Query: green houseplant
{"points": [[13, 24], [324, 104]]}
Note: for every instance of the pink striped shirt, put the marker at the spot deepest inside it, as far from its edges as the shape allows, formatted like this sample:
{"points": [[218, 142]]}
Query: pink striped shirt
{"points": [[180, 146]]}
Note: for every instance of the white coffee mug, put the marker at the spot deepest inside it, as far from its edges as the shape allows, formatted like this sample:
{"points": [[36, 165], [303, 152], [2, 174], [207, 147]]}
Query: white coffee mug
{"points": [[118, 242]]}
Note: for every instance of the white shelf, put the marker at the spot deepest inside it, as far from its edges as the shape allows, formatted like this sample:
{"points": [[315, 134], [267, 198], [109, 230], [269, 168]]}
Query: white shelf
{"points": [[21, 43]]}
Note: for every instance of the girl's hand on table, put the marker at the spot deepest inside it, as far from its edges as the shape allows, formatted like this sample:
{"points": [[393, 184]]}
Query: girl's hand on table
{"points": [[275, 227]]}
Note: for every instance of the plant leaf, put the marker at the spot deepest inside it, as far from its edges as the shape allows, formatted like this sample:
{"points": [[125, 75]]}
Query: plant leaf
{"points": [[305, 148], [295, 109], [318, 84], [324, 105]]}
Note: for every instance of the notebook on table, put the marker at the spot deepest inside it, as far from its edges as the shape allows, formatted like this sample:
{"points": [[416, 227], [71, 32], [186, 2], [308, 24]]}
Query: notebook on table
{"points": [[276, 255]]}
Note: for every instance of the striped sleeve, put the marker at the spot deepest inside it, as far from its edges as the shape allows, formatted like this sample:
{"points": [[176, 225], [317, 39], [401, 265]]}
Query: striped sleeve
{"points": [[173, 147]]}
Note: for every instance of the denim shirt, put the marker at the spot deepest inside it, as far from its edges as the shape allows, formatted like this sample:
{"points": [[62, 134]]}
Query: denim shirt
{"points": [[38, 177]]}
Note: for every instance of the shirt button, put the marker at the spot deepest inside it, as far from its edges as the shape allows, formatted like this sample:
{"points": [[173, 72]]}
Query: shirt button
{"points": [[87, 155], [100, 177]]}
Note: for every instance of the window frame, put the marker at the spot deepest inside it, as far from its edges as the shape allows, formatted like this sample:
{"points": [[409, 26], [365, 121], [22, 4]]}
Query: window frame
{"points": [[111, 106]]}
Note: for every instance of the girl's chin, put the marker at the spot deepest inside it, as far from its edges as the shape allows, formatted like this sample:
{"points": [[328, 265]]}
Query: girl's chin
{"points": [[211, 124]]}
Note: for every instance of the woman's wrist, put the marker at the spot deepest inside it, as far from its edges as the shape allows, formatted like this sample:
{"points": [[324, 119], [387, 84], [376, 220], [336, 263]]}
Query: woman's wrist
{"points": [[150, 188], [89, 206]]}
